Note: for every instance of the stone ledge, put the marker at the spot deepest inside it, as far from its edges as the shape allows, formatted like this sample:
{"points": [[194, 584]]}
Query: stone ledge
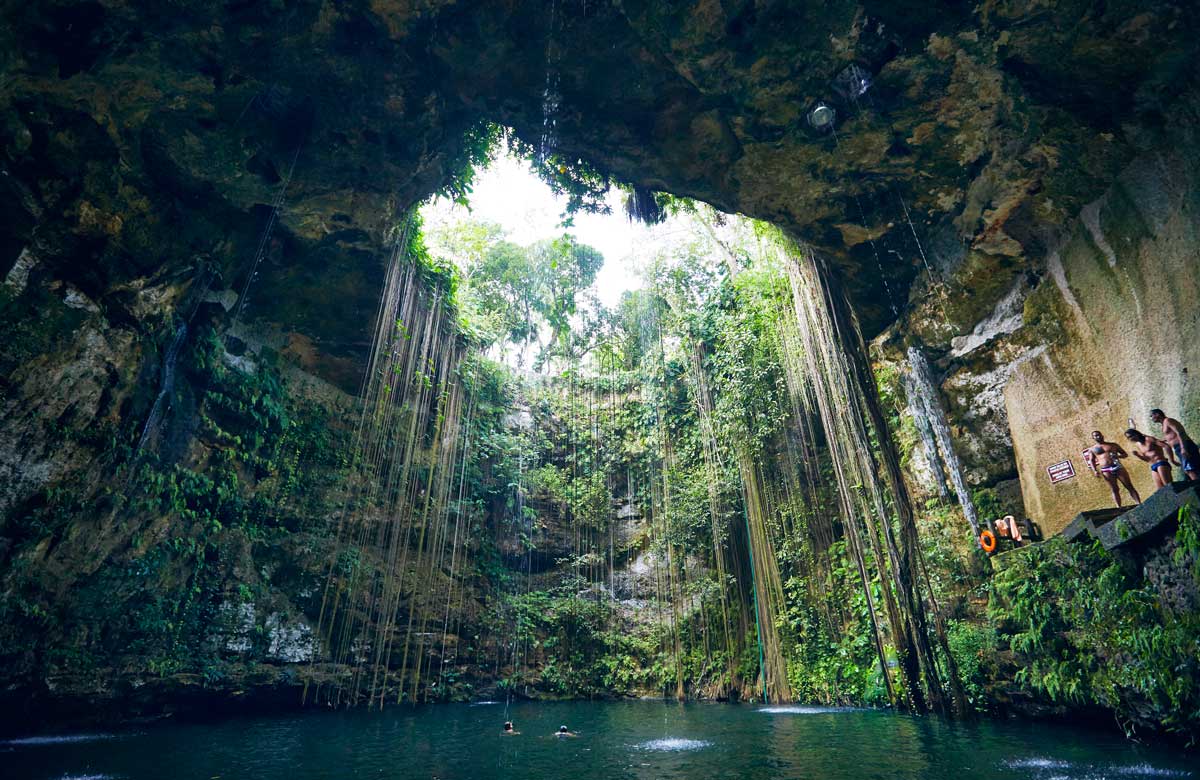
{"points": [[1116, 528]]}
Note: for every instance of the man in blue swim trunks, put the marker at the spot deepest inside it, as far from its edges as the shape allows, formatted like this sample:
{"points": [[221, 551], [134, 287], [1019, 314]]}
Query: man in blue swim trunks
{"points": [[1179, 441], [1155, 452]]}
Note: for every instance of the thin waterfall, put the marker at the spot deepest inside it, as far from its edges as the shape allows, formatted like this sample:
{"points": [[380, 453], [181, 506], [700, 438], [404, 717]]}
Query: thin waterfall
{"points": [[917, 413], [922, 392], [168, 385], [551, 94]]}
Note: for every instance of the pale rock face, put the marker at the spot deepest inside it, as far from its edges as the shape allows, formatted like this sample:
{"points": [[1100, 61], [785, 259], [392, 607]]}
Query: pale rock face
{"points": [[241, 622], [226, 299], [75, 299], [985, 415], [18, 276], [1125, 279], [290, 642], [1004, 319], [243, 363]]}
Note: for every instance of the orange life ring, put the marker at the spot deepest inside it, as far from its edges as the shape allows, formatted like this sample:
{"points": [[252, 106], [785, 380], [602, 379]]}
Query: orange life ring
{"points": [[987, 540]]}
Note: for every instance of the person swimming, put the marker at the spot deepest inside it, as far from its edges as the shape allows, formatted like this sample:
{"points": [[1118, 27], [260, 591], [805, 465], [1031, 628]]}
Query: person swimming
{"points": [[1103, 458], [1180, 443], [1155, 452], [563, 731], [509, 731]]}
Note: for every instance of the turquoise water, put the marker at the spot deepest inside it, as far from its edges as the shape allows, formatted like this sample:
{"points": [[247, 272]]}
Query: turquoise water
{"points": [[644, 740]]}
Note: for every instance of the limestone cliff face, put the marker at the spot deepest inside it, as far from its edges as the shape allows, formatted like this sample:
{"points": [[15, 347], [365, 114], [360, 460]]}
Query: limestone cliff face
{"points": [[1012, 193]]}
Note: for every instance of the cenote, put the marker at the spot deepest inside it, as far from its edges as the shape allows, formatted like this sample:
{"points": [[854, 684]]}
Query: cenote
{"points": [[760, 388], [615, 740]]}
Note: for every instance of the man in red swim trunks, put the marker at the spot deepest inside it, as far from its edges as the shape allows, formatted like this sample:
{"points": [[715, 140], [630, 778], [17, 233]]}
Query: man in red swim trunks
{"points": [[1103, 458]]}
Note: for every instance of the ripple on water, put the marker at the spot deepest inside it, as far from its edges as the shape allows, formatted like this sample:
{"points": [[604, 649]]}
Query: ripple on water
{"points": [[1057, 769], [57, 739], [674, 744], [482, 703], [801, 710]]}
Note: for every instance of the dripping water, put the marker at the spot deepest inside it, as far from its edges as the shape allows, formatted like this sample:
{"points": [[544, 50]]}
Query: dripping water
{"points": [[168, 384], [862, 216], [923, 394], [551, 94]]}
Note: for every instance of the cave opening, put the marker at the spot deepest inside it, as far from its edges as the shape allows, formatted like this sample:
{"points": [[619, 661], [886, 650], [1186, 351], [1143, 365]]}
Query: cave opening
{"points": [[659, 462], [783, 311]]}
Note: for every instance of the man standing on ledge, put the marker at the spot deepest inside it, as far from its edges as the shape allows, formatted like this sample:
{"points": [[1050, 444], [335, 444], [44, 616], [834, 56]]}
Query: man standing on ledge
{"points": [[1104, 460], [1177, 438]]}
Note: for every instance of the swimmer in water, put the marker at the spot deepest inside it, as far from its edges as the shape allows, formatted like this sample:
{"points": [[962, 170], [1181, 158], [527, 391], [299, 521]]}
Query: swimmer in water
{"points": [[563, 731], [1180, 443], [1155, 452], [509, 731], [1103, 458]]}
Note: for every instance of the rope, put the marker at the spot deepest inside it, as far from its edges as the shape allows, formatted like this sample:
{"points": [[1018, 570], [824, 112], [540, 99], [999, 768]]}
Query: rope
{"points": [[276, 207]]}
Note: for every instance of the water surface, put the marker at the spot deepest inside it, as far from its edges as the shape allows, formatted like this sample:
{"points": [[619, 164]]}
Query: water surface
{"points": [[643, 740]]}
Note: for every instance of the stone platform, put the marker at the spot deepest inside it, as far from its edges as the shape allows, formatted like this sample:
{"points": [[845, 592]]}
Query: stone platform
{"points": [[1145, 523]]}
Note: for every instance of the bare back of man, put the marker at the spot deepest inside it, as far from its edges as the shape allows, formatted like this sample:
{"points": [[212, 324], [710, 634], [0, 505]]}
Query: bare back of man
{"points": [[1176, 437]]}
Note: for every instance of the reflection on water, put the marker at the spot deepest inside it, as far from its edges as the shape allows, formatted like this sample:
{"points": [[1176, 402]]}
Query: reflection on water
{"points": [[623, 740], [1054, 769], [674, 743], [57, 739]]}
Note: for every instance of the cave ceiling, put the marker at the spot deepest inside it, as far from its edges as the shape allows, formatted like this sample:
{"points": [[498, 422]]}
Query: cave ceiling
{"points": [[144, 139]]}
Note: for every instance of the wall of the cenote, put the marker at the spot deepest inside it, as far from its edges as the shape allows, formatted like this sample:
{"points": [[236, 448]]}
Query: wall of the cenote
{"points": [[202, 209], [1126, 310]]}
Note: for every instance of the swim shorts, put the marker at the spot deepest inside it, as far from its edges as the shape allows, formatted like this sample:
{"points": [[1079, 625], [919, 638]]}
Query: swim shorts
{"points": [[1189, 456]]}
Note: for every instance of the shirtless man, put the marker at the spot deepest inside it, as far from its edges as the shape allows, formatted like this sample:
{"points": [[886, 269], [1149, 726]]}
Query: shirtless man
{"points": [[1178, 440], [1155, 452], [1103, 458]]}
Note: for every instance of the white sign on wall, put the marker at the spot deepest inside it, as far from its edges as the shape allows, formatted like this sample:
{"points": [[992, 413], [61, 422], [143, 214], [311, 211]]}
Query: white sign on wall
{"points": [[1060, 472]]}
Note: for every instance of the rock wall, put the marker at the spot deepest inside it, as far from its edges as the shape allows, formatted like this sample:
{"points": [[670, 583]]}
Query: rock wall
{"points": [[1126, 306], [1089, 335]]}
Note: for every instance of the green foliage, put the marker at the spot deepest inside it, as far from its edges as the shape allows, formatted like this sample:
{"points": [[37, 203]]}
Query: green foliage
{"points": [[1187, 541], [1086, 632], [267, 465], [583, 185], [973, 647], [577, 648], [520, 295], [477, 146]]}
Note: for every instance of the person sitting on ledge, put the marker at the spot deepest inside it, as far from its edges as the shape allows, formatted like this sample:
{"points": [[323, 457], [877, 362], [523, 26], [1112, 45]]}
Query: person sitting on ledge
{"points": [[1155, 452], [1179, 441], [1103, 458], [1009, 527]]}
